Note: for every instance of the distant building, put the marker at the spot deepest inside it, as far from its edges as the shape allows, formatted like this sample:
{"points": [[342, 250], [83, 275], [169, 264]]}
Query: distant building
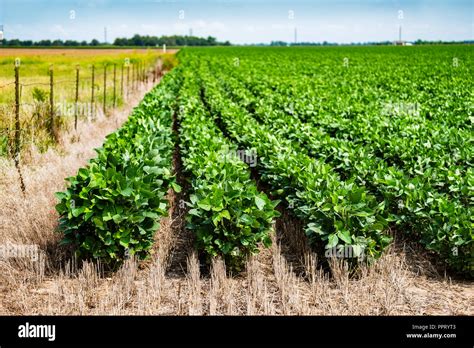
{"points": [[400, 42]]}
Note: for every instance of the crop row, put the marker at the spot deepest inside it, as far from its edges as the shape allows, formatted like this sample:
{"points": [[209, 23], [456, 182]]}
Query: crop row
{"points": [[230, 217], [111, 208]]}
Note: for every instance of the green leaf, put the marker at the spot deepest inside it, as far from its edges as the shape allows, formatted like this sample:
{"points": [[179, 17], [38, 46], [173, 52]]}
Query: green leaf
{"points": [[312, 227], [194, 212], [345, 236], [176, 187], [127, 192], [117, 218], [332, 241], [83, 173], [357, 250], [78, 211], [60, 195], [151, 214], [204, 204], [124, 241], [259, 202], [225, 214]]}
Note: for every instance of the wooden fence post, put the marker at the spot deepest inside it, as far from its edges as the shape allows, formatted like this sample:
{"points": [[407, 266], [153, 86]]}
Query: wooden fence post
{"points": [[92, 93], [121, 83], [17, 148], [128, 81], [51, 101], [115, 77], [105, 88], [133, 77], [77, 98], [17, 111]]}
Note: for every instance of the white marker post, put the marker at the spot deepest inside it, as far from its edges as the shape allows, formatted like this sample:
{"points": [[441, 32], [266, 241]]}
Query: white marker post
{"points": [[164, 48]]}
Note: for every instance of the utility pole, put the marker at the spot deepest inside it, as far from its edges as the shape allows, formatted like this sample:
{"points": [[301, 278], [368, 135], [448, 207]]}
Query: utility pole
{"points": [[105, 34], [296, 36], [400, 34], [190, 31]]}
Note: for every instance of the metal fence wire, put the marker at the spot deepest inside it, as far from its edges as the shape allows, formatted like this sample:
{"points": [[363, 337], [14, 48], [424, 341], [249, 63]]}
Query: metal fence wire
{"points": [[14, 131]]}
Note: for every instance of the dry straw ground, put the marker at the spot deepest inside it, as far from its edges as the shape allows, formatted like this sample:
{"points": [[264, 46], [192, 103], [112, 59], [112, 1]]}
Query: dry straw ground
{"points": [[280, 280]]}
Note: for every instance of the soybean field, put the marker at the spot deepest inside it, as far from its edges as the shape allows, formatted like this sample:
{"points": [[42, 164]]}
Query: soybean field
{"points": [[356, 143]]}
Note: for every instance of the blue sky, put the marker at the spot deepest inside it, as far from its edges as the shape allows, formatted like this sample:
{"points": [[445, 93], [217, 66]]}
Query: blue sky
{"points": [[240, 21]]}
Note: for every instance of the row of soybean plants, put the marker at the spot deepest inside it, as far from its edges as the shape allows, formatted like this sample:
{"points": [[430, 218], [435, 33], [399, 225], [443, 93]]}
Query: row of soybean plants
{"points": [[111, 208], [230, 216]]}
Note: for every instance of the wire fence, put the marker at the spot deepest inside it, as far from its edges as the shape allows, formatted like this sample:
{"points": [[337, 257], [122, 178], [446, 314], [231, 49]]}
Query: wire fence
{"points": [[21, 120]]}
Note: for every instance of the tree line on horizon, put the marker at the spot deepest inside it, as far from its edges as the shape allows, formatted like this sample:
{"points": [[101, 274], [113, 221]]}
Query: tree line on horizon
{"points": [[136, 40], [180, 40], [380, 43]]}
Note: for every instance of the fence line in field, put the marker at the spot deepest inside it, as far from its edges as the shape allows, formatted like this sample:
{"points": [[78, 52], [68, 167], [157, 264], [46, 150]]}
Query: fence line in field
{"points": [[139, 76]]}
